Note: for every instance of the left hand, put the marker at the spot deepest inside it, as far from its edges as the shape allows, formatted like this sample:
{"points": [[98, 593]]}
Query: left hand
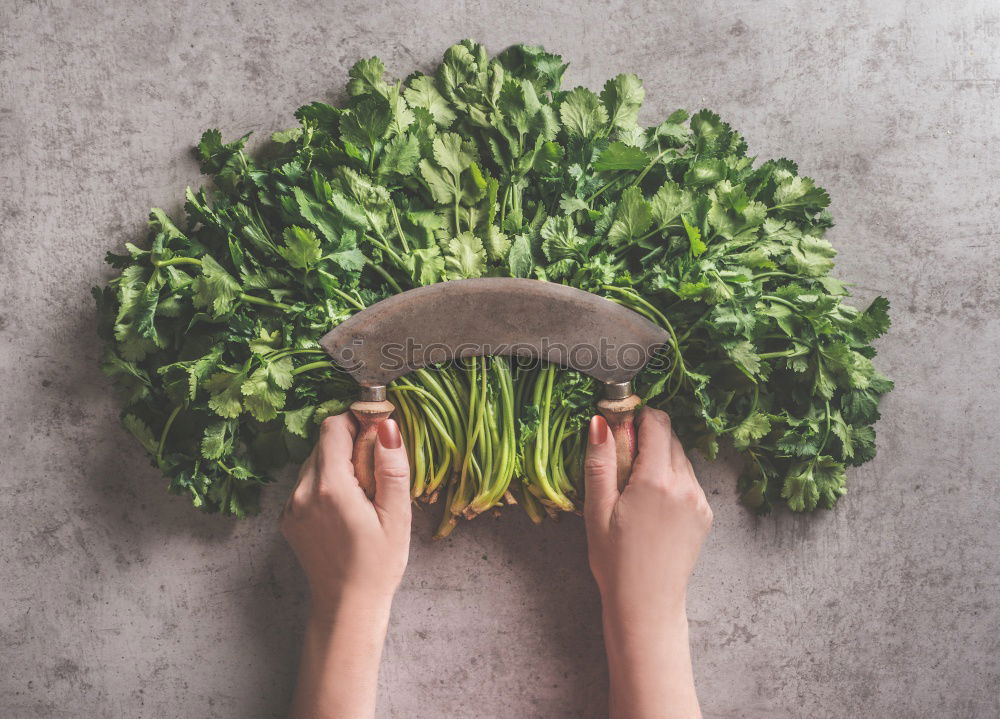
{"points": [[346, 543]]}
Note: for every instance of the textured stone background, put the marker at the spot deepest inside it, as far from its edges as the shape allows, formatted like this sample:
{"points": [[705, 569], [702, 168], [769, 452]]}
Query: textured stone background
{"points": [[119, 601]]}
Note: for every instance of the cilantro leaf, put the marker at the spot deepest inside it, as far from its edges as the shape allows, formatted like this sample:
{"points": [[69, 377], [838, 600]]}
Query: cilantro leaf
{"points": [[466, 257], [755, 426], [366, 122], [400, 156], [520, 259], [623, 96], [226, 396], [217, 440], [670, 202], [301, 248], [299, 421], [366, 78], [794, 192], [422, 93], [619, 156], [451, 153], [582, 113], [215, 288], [262, 394], [874, 321], [800, 489], [425, 265], [633, 216], [141, 431]]}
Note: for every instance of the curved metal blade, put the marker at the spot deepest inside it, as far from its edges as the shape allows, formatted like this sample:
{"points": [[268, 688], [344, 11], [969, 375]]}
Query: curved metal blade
{"points": [[521, 318]]}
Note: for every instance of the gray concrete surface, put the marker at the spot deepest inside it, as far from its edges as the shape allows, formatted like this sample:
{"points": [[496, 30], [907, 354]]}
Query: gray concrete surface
{"points": [[119, 601]]}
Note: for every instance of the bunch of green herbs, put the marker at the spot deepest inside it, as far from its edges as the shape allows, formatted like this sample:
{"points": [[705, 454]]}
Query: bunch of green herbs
{"points": [[487, 167]]}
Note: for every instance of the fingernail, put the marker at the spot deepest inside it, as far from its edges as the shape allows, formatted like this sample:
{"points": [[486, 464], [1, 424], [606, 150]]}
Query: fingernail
{"points": [[598, 430], [388, 434]]}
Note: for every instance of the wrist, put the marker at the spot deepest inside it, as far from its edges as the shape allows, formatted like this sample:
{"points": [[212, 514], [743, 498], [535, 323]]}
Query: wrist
{"points": [[631, 624], [366, 608], [649, 666], [631, 607]]}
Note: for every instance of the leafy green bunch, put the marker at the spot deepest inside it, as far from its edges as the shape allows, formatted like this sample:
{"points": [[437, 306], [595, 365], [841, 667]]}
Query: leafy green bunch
{"points": [[489, 168]]}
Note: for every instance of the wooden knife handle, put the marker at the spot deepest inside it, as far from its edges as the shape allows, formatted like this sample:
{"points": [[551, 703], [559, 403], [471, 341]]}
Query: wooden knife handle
{"points": [[369, 416], [620, 416]]}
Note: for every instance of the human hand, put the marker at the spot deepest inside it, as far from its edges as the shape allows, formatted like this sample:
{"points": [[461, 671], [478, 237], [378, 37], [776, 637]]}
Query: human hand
{"points": [[643, 542], [353, 551], [346, 543]]}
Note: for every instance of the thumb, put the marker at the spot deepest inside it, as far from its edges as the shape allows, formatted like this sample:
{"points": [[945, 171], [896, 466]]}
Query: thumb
{"points": [[600, 472], [392, 474]]}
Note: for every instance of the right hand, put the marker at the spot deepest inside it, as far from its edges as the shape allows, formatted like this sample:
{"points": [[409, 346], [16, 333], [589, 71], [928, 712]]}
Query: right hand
{"points": [[643, 542]]}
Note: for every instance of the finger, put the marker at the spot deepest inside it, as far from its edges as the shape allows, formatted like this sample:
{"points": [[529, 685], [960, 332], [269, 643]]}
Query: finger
{"points": [[600, 472], [392, 475], [333, 468], [303, 485], [307, 472], [653, 462], [679, 459]]}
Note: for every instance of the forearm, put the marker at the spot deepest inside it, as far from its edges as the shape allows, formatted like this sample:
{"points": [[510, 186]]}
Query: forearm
{"points": [[338, 673], [649, 664]]}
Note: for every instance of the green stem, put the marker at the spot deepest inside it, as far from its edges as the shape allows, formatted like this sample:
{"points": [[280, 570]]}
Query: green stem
{"points": [[163, 434], [488, 435], [421, 461], [347, 298], [544, 400], [753, 408], [786, 353], [446, 403], [649, 167], [675, 343], [414, 444], [556, 452], [826, 432], [694, 325], [471, 430], [661, 228], [760, 466], [509, 449], [432, 417], [532, 507], [281, 354], [321, 364], [503, 205], [399, 227], [780, 301], [543, 403], [384, 246], [177, 261], [603, 187], [263, 303], [775, 273], [386, 276]]}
